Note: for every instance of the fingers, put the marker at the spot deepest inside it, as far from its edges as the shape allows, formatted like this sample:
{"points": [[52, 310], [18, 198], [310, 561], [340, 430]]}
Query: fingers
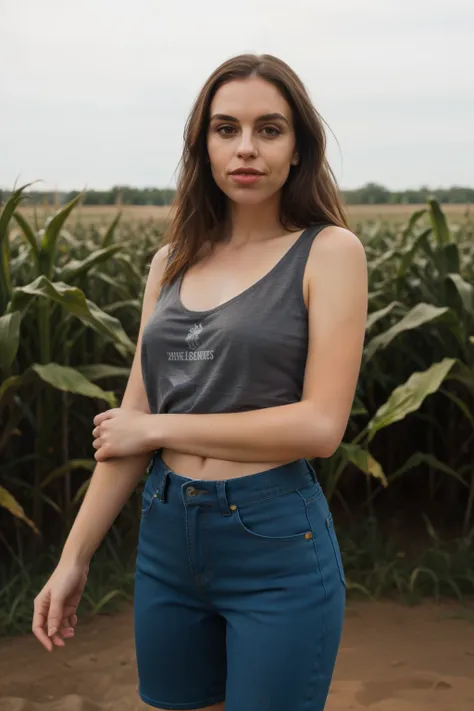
{"points": [[39, 623], [67, 626], [65, 631], [55, 616], [51, 626], [104, 453], [107, 415]]}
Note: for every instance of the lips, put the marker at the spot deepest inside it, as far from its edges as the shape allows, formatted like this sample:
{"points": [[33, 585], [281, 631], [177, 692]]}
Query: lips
{"points": [[246, 171]]}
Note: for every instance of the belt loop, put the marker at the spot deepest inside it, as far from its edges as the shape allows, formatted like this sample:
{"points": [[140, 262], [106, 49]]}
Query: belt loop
{"points": [[312, 471], [222, 498], [163, 487], [151, 462]]}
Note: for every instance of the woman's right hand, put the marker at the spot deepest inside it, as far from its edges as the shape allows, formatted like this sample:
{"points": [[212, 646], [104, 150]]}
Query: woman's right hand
{"points": [[55, 606]]}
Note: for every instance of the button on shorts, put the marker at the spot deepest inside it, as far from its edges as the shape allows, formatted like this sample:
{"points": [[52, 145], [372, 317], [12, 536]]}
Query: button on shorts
{"points": [[239, 591]]}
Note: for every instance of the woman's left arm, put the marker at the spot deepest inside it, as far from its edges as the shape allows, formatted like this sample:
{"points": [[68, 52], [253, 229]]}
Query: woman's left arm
{"points": [[314, 427]]}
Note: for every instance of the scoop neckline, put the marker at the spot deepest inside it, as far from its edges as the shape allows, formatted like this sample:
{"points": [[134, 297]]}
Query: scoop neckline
{"points": [[198, 314]]}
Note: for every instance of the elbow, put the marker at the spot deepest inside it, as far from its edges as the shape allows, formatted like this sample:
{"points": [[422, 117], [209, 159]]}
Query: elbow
{"points": [[328, 449], [323, 438], [322, 449]]}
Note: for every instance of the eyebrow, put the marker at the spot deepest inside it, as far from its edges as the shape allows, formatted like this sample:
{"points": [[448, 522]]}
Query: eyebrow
{"points": [[264, 117]]}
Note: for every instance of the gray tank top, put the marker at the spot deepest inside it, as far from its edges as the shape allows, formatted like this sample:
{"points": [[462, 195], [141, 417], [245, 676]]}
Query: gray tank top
{"points": [[248, 353]]}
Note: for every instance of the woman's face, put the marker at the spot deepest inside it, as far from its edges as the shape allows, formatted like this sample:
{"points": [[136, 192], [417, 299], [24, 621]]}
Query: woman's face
{"points": [[250, 128]]}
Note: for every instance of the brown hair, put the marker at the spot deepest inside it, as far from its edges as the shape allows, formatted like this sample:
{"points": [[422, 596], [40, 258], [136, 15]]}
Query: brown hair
{"points": [[309, 195]]}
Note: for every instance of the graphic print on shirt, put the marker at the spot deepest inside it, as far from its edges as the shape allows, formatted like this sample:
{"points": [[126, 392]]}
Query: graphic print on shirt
{"points": [[192, 339], [193, 352]]}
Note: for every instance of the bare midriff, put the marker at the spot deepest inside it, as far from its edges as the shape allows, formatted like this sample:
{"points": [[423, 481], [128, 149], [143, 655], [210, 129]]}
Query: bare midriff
{"points": [[211, 469]]}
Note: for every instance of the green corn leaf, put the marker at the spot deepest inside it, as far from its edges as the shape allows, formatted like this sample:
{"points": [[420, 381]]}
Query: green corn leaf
{"points": [[9, 208], [98, 371], [448, 259], [415, 461], [51, 235], [76, 268], [430, 460], [438, 222], [464, 374], [416, 317], [73, 300], [109, 235], [130, 267], [377, 315], [415, 217], [82, 490], [464, 290], [463, 406], [9, 338], [29, 235], [5, 216], [10, 385], [120, 289], [106, 599], [8, 502], [364, 461], [70, 380], [408, 397], [420, 242], [133, 304], [73, 464], [358, 407]]}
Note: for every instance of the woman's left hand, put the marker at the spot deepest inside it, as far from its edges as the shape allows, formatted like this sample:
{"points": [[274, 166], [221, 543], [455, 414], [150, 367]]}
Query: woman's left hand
{"points": [[121, 433]]}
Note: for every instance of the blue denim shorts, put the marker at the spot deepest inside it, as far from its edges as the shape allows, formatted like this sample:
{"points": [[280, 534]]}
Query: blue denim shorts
{"points": [[239, 591]]}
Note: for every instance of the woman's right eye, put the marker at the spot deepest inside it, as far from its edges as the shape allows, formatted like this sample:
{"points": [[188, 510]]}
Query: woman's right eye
{"points": [[225, 130]]}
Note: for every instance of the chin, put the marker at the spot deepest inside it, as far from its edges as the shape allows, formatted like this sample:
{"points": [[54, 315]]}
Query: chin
{"points": [[247, 195]]}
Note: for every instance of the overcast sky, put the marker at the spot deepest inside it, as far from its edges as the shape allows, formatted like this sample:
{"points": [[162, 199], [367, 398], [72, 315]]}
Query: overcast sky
{"points": [[96, 93]]}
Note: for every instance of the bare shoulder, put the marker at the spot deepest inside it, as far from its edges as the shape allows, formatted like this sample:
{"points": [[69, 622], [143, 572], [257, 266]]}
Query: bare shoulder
{"points": [[157, 269], [337, 241], [158, 263], [336, 250]]}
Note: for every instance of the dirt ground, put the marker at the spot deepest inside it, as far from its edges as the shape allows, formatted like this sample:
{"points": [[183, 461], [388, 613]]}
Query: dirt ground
{"points": [[392, 658]]}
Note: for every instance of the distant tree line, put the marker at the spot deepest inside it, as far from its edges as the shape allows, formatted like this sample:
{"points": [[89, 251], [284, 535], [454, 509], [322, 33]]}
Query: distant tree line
{"points": [[375, 194], [118, 195], [369, 194]]}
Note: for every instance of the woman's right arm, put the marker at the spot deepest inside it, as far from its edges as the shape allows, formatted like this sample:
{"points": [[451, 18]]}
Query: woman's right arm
{"points": [[112, 483]]}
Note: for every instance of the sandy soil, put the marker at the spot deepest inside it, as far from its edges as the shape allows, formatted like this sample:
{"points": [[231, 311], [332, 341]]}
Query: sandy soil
{"points": [[392, 658]]}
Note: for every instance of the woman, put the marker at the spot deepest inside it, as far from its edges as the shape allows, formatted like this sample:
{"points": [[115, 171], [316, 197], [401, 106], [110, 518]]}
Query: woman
{"points": [[246, 366]]}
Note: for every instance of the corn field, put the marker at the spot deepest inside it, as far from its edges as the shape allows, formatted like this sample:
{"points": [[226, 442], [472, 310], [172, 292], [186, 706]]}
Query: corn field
{"points": [[70, 302]]}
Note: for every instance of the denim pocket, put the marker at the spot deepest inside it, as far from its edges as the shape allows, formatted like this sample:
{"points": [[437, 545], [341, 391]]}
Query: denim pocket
{"points": [[335, 545], [279, 518]]}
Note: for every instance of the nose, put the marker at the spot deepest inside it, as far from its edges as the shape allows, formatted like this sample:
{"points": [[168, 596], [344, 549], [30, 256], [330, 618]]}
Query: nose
{"points": [[246, 147]]}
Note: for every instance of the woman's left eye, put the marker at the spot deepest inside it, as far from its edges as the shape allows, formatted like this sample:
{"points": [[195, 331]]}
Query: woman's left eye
{"points": [[275, 131]]}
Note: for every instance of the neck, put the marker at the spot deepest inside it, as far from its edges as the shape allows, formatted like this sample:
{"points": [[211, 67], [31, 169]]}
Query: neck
{"points": [[253, 223]]}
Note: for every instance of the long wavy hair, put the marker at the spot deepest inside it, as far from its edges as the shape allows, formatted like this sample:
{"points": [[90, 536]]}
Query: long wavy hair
{"points": [[310, 194]]}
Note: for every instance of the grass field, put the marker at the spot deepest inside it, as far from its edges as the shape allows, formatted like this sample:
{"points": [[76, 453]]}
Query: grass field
{"points": [[357, 213]]}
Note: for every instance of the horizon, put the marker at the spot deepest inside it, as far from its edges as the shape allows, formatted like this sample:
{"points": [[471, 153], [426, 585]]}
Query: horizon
{"points": [[428, 188]]}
